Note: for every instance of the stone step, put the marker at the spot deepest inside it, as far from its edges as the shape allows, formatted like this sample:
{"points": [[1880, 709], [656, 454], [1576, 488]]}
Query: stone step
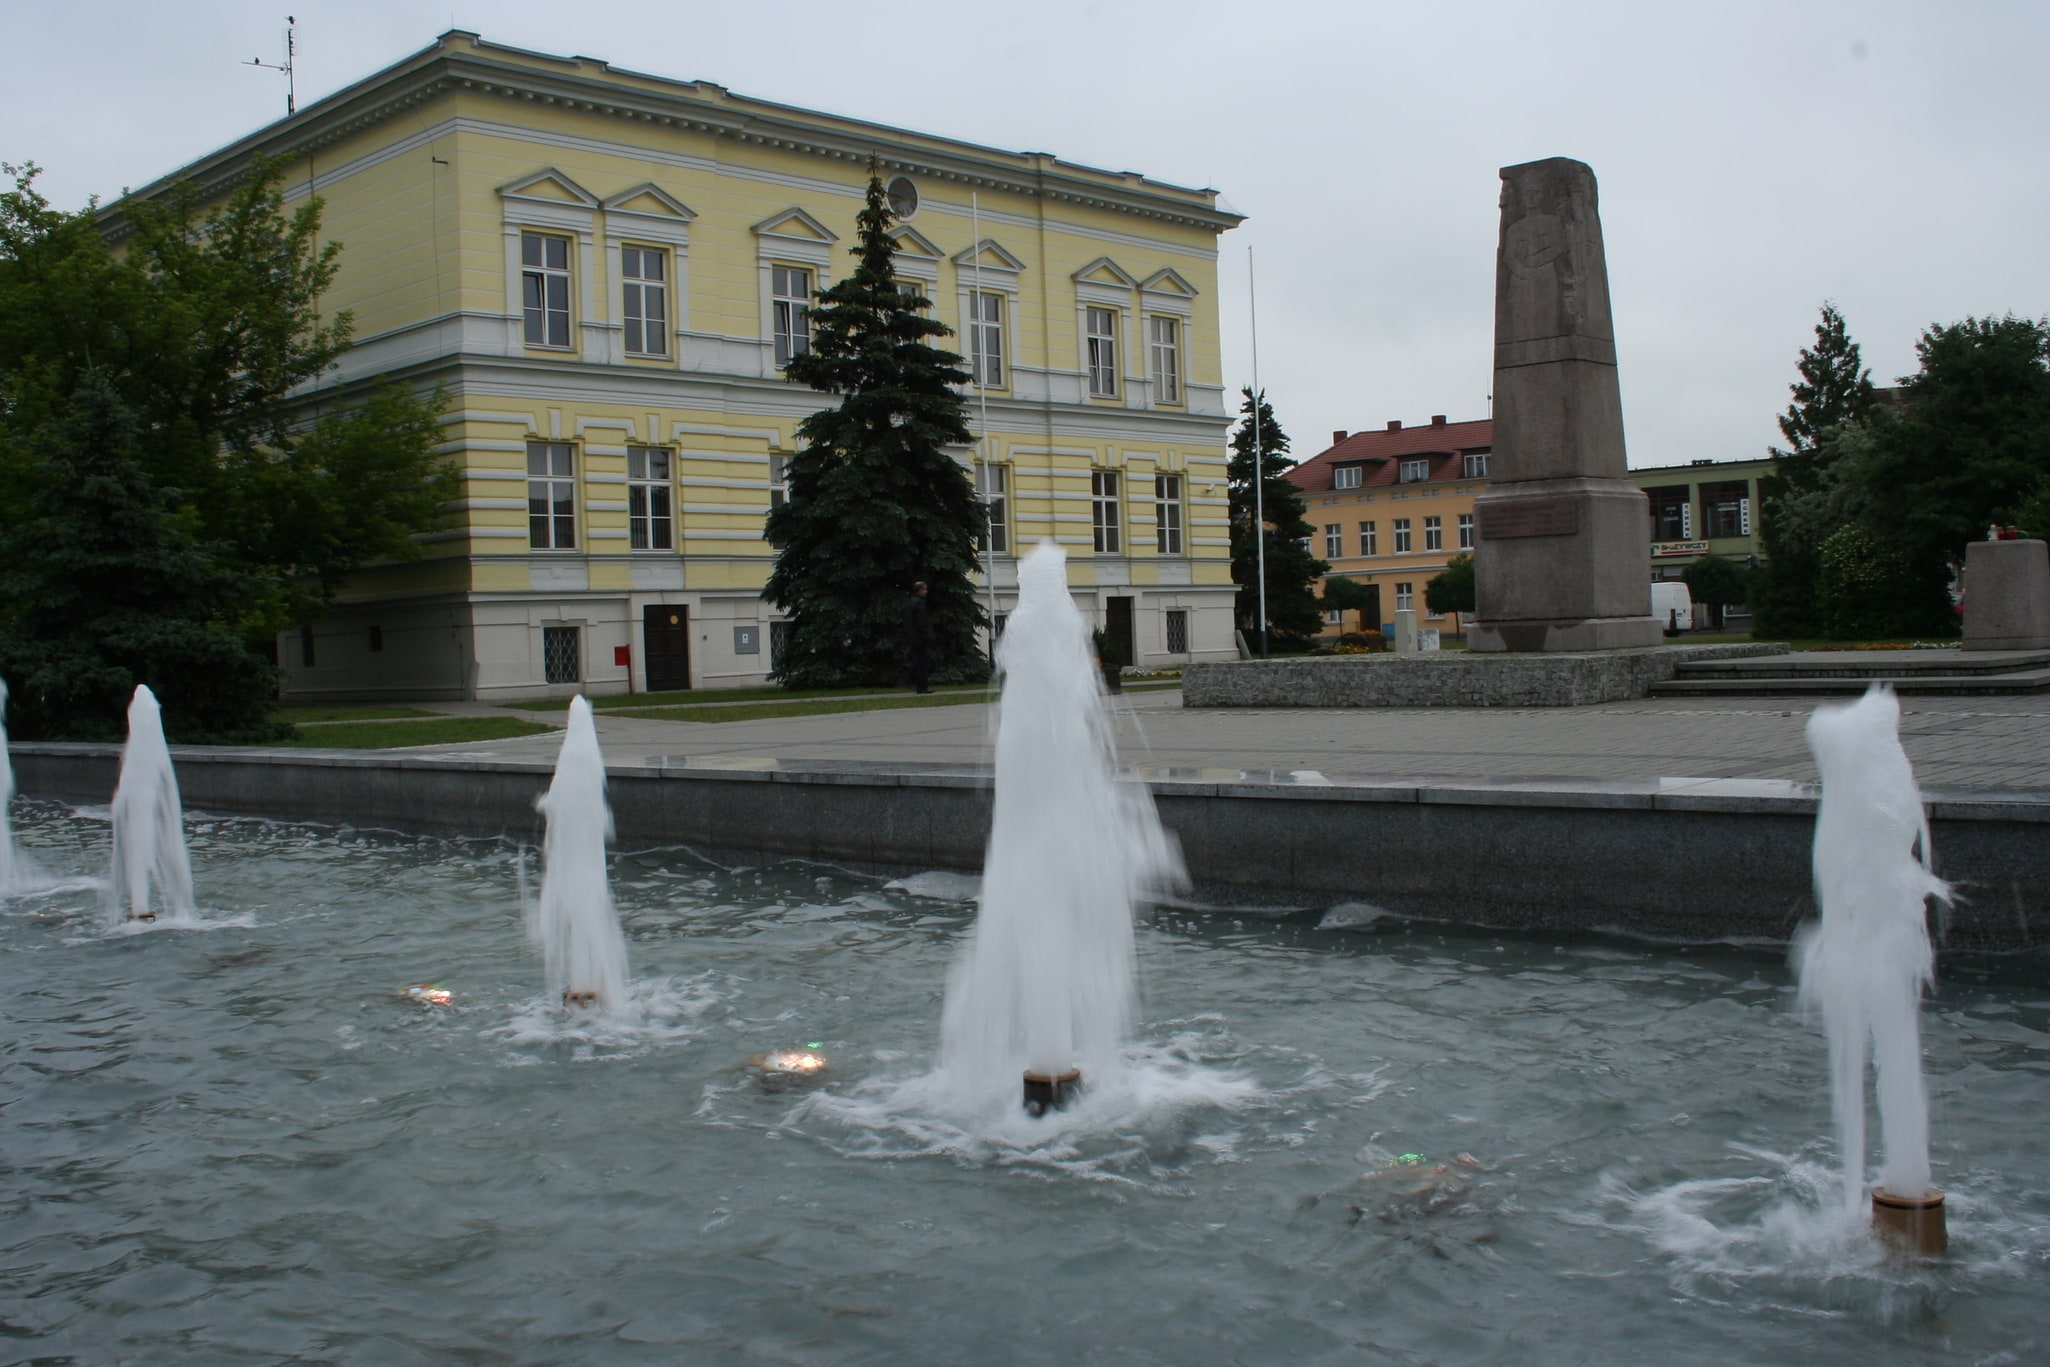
{"points": [[1831, 685], [1870, 664]]}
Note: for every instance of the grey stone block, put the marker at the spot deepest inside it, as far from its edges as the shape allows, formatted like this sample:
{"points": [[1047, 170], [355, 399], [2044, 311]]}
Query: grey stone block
{"points": [[2007, 595]]}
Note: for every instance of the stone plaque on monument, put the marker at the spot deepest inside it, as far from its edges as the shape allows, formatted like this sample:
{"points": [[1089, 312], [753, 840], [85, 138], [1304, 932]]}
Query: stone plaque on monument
{"points": [[1562, 559]]}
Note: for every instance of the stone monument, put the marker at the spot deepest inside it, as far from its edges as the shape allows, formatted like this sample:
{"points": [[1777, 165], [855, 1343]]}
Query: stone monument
{"points": [[1563, 543], [2007, 595]]}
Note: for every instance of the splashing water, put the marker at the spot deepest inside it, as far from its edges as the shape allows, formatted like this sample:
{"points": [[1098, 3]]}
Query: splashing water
{"points": [[574, 923], [1865, 964], [1045, 980], [152, 870]]}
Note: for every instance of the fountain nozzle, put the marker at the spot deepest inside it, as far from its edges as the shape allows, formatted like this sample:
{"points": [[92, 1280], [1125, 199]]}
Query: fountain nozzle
{"points": [[1913, 1224], [571, 997], [1050, 1091]]}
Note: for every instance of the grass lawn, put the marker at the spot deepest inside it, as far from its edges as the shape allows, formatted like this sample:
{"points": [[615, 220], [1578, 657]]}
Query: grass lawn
{"points": [[387, 735], [703, 696], [814, 707], [344, 712]]}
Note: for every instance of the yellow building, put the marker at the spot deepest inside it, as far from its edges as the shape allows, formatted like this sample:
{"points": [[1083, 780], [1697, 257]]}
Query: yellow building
{"points": [[1390, 508], [607, 271]]}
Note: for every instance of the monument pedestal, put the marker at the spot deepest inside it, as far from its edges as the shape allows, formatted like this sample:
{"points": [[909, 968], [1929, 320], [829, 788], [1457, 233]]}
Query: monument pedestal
{"points": [[2007, 595], [1562, 551]]}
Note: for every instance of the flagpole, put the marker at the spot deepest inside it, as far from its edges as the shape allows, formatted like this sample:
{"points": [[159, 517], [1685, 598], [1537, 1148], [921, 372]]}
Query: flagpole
{"points": [[1259, 459], [988, 471]]}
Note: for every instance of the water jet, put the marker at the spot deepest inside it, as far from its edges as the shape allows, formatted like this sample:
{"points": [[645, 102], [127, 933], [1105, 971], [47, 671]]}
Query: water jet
{"points": [[573, 922], [152, 869]]}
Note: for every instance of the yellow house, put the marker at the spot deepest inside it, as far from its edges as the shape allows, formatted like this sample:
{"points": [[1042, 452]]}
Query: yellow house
{"points": [[1391, 508], [607, 271]]}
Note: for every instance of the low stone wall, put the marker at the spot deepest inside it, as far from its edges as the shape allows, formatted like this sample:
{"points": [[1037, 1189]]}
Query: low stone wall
{"points": [[1681, 859], [1447, 678]]}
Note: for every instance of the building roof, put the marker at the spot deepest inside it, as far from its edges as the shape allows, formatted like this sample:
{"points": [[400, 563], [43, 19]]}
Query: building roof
{"points": [[642, 104], [1380, 453]]}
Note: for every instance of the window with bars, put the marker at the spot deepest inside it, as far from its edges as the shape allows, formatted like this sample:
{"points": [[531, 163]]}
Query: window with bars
{"points": [[1167, 514], [790, 302], [986, 337], [1466, 531], [993, 483], [544, 288], [1369, 542], [1334, 540], [1102, 327], [1177, 631], [1402, 536], [649, 499], [551, 496], [1103, 505], [779, 637], [1166, 335], [644, 275], [561, 655], [1434, 534]]}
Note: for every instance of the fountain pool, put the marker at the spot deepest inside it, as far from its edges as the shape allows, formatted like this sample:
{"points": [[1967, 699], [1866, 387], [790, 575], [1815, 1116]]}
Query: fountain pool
{"points": [[240, 1143]]}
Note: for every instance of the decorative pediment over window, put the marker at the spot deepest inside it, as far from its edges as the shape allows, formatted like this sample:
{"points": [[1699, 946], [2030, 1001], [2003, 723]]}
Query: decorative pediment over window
{"points": [[651, 200], [1104, 271], [796, 225], [913, 243], [549, 186], [990, 255], [1168, 282]]}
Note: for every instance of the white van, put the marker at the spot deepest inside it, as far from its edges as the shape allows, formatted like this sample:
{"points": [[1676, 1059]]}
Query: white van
{"points": [[1672, 604]]}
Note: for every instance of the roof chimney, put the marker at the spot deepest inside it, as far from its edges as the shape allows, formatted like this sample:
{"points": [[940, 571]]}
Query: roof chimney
{"points": [[1437, 419], [1340, 435], [1395, 424]]}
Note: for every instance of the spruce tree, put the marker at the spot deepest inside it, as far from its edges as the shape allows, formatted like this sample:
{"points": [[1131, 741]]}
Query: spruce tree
{"points": [[112, 588], [1835, 390], [876, 500], [1293, 615]]}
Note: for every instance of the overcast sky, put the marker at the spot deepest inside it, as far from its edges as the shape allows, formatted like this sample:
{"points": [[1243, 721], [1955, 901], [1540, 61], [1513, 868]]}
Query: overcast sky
{"points": [[1754, 158]]}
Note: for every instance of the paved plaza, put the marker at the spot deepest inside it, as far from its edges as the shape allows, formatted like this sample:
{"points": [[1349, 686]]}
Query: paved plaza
{"points": [[1982, 743]]}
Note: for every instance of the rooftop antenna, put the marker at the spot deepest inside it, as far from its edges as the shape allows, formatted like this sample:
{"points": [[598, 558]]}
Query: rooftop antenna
{"points": [[291, 50]]}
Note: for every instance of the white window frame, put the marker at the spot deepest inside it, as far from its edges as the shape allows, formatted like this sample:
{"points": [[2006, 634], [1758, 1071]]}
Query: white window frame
{"points": [[555, 478], [1105, 513], [1370, 539], [779, 479], [1402, 539], [1167, 514], [1101, 360], [1405, 598], [1348, 476], [1334, 540], [790, 301], [644, 300], [1415, 471], [646, 217], [993, 486], [984, 324], [537, 274], [1434, 533], [1466, 531], [1475, 465], [651, 498], [1164, 357], [552, 215]]}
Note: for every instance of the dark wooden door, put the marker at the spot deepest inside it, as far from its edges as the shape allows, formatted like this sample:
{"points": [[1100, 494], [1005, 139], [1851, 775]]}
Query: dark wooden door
{"points": [[1117, 624], [665, 644], [1371, 617]]}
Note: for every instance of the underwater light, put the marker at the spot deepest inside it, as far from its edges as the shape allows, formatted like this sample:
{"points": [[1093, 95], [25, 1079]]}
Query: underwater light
{"points": [[1913, 1224], [1051, 1091], [428, 994], [572, 997]]}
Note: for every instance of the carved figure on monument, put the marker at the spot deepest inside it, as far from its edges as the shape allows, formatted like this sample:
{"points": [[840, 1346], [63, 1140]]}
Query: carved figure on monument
{"points": [[1563, 558]]}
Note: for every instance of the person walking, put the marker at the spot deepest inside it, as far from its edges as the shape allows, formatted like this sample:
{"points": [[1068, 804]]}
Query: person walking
{"points": [[917, 639]]}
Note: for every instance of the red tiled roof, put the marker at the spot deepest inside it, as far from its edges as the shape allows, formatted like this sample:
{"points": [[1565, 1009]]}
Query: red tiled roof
{"points": [[1379, 454]]}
